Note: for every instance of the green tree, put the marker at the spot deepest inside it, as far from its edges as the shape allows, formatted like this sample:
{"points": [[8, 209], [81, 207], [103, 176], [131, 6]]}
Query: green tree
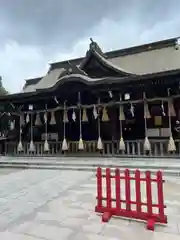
{"points": [[3, 91], [4, 118]]}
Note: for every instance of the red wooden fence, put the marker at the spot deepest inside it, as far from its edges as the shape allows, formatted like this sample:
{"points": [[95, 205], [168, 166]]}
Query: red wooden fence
{"points": [[109, 209]]}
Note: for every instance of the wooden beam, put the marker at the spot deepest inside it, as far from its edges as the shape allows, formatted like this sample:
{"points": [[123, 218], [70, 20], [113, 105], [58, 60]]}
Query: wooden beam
{"points": [[109, 104]]}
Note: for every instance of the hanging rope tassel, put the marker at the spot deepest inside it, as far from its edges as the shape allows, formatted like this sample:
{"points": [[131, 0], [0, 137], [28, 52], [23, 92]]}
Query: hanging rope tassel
{"points": [[65, 120], [121, 113], [32, 146], [99, 142], [95, 114], [84, 116], [64, 145], [65, 116], [172, 111], [46, 144], [12, 125], [147, 145], [38, 120], [171, 143], [122, 146], [45, 118], [81, 143], [27, 118], [162, 108], [74, 116], [20, 146], [147, 114], [132, 110], [105, 117], [53, 119]]}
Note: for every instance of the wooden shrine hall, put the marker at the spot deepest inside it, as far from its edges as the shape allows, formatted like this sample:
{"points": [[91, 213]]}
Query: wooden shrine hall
{"points": [[120, 102]]}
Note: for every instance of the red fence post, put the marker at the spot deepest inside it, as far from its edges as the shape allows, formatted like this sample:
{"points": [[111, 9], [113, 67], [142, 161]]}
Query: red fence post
{"points": [[161, 207], [107, 215], [99, 190], [151, 220]]}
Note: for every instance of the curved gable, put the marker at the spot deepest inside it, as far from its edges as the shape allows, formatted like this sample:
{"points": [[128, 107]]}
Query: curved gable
{"points": [[96, 59]]}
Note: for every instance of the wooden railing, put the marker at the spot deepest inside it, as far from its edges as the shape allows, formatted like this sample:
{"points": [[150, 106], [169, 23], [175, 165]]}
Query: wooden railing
{"points": [[133, 148]]}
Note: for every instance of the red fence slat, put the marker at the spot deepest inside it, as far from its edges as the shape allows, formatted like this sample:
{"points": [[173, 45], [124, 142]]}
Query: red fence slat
{"points": [[160, 196], [149, 193], [138, 191], [127, 190], [118, 189], [108, 188]]}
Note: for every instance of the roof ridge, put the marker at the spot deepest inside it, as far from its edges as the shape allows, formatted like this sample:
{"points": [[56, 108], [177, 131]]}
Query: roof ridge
{"points": [[127, 51]]}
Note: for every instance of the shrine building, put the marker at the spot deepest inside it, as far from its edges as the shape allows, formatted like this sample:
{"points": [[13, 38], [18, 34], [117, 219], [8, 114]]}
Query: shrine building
{"points": [[123, 102]]}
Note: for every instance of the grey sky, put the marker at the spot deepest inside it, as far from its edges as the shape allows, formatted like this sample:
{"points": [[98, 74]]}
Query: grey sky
{"points": [[35, 32]]}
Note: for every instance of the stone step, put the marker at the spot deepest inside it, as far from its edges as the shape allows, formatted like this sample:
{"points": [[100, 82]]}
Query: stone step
{"points": [[66, 162], [167, 172], [92, 159], [168, 166]]}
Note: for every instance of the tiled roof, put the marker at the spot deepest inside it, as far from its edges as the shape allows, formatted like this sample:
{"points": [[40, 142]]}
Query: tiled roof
{"points": [[145, 59], [50, 78]]}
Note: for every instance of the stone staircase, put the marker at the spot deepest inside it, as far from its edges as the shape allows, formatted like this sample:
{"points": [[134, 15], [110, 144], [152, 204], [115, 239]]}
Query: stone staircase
{"points": [[169, 166]]}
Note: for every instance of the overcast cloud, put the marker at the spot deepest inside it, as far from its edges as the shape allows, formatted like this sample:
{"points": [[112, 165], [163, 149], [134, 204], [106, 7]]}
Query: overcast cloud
{"points": [[36, 32]]}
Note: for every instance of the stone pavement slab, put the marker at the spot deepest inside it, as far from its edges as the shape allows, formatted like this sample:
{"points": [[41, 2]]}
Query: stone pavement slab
{"points": [[51, 205]]}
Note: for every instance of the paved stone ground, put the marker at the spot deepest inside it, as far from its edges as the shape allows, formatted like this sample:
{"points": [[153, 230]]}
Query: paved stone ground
{"points": [[4, 171], [55, 204]]}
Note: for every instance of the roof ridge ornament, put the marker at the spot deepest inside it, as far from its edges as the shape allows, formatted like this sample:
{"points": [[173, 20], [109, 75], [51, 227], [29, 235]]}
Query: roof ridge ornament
{"points": [[95, 46], [91, 40]]}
